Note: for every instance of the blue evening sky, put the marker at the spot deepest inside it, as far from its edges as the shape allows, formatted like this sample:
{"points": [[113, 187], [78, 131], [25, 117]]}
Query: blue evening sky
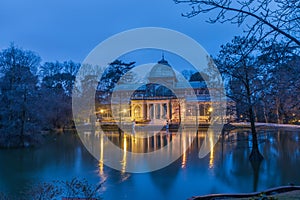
{"points": [[69, 29]]}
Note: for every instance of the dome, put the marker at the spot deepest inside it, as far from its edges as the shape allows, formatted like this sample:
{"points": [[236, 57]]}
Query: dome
{"points": [[162, 70]]}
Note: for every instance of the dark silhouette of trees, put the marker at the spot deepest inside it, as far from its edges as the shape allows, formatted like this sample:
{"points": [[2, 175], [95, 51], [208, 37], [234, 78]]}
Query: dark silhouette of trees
{"points": [[19, 118], [279, 99], [262, 19], [246, 78], [34, 97], [110, 77], [56, 93], [197, 77]]}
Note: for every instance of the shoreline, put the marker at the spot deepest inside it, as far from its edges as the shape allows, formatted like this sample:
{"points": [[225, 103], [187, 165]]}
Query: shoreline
{"points": [[263, 125], [283, 191]]}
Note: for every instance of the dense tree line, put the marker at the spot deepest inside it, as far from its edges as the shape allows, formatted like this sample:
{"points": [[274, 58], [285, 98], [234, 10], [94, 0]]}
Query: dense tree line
{"points": [[34, 97], [267, 80]]}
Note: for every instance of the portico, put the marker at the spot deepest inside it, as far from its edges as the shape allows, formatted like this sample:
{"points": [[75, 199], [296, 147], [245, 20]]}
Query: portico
{"points": [[151, 109]]}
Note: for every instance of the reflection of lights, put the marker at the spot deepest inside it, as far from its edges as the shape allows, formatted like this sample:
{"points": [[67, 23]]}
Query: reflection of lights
{"points": [[211, 157], [183, 163], [101, 156], [124, 155]]}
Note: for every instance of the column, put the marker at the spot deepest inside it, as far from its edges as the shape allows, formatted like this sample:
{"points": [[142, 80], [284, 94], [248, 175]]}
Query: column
{"points": [[143, 111], [147, 110], [158, 111], [154, 110], [161, 111], [168, 110]]}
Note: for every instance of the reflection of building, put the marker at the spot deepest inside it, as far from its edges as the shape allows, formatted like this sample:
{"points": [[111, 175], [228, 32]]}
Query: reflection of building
{"points": [[166, 96]]}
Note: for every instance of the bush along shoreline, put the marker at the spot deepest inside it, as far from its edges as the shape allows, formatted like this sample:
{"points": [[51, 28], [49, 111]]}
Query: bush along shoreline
{"points": [[76, 188]]}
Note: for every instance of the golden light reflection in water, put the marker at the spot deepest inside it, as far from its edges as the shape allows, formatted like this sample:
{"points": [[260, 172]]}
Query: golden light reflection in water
{"points": [[211, 157], [124, 160], [183, 163], [129, 143], [101, 172]]}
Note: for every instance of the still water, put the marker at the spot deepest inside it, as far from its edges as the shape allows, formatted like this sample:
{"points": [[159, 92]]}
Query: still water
{"points": [[225, 169]]}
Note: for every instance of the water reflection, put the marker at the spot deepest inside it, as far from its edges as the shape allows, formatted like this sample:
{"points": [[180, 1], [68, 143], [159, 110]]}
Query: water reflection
{"points": [[211, 157], [183, 163], [133, 153], [124, 160], [101, 161], [226, 169]]}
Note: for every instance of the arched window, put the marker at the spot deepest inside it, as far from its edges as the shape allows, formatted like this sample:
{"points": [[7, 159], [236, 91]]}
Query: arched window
{"points": [[137, 111]]}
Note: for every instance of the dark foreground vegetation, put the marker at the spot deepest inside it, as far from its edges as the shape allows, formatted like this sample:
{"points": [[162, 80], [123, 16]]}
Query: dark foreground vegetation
{"points": [[72, 189]]}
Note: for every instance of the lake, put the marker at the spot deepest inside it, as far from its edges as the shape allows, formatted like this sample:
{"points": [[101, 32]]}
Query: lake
{"points": [[225, 169]]}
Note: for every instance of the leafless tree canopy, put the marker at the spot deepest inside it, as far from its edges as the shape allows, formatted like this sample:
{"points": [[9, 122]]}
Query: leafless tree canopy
{"points": [[261, 18]]}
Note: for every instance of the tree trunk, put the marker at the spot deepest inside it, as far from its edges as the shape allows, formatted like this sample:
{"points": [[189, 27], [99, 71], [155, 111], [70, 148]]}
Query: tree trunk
{"points": [[255, 155]]}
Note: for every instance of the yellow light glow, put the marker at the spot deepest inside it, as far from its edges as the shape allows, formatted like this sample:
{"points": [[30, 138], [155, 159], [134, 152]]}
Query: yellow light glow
{"points": [[211, 157], [124, 160], [210, 109], [101, 156], [101, 111], [183, 163]]}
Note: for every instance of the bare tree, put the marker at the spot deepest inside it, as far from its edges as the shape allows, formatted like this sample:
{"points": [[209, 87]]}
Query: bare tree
{"points": [[241, 68], [280, 98], [261, 18]]}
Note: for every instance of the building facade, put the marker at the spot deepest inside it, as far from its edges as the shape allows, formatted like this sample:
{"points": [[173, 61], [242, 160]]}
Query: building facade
{"points": [[166, 96]]}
